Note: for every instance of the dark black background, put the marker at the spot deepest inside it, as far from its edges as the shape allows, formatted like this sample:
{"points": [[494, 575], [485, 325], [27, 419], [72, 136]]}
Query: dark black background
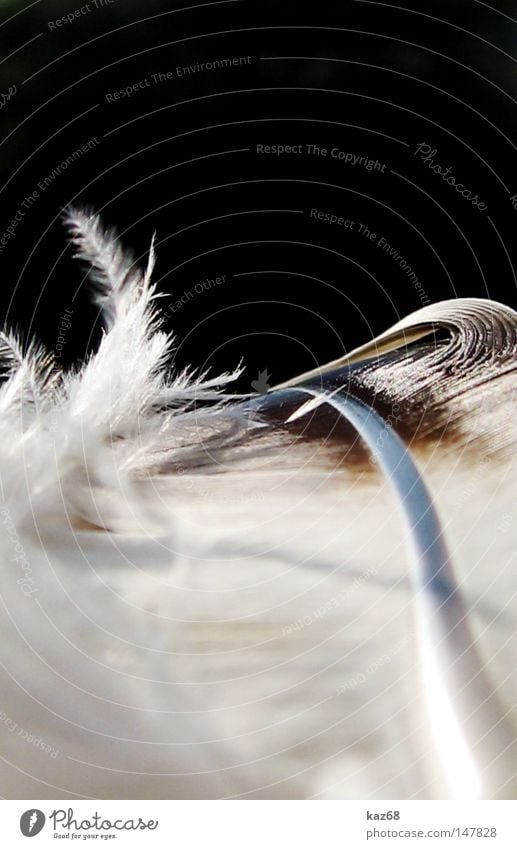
{"points": [[179, 158]]}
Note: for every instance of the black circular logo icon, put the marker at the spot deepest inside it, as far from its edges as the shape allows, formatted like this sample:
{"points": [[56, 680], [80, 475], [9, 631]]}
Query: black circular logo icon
{"points": [[31, 822]]}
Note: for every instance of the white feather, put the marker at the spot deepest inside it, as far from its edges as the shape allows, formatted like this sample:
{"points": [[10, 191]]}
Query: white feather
{"points": [[194, 608]]}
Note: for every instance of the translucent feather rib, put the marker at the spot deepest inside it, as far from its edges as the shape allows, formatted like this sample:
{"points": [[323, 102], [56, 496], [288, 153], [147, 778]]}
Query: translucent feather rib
{"points": [[474, 740]]}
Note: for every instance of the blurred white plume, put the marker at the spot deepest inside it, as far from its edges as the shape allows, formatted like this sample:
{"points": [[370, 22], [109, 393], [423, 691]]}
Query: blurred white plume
{"points": [[195, 608]]}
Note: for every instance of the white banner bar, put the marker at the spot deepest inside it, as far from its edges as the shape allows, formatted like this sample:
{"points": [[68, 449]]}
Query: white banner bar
{"points": [[259, 824]]}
